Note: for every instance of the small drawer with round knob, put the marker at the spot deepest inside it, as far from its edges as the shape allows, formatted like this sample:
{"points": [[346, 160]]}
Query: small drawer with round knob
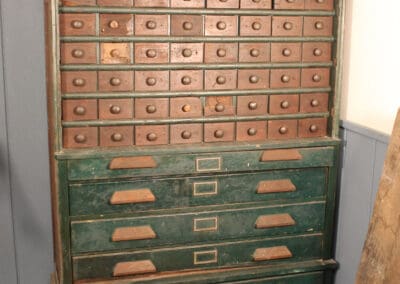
{"points": [[289, 4], [315, 77], [151, 25], [285, 78], [113, 3], [223, 4], [220, 79], [75, 110], [151, 53], [114, 136], [187, 3], [220, 52], [150, 3], [115, 53], [116, 25], [149, 108], [249, 79], [187, 52], [317, 52], [185, 107], [151, 135], [80, 137], [78, 2], [286, 52], [256, 4], [78, 81], [186, 80], [148, 81], [114, 109], [319, 5], [186, 25], [78, 53], [287, 26], [115, 81], [313, 127], [255, 25], [282, 129], [186, 133], [77, 24], [283, 104], [316, 102], [219, 132], [251, 131], [254, 52], [219, 106], [318, 26], [221, 25], [252, 105]]}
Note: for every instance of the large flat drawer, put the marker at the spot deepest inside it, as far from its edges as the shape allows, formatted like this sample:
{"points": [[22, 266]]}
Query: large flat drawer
{"points": [[179, 164], [228, 254], [162, 230], [150, 194]]}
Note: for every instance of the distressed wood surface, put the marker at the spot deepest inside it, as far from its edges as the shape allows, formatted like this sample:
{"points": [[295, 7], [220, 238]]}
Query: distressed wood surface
{"points": [[262, 254]]}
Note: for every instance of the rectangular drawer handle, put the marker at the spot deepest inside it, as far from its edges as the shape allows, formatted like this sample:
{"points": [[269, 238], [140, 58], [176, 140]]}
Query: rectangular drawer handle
{"points": [[133, 268], [272, 253], [142, 162], [132, 196], [133, 234], [275, 186], [281, 155], [273, 221]]}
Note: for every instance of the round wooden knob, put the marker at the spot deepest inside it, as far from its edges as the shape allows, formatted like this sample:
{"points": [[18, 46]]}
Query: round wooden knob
{"points": [[115, 53], [256, 26], [219, 133], [151, 109], [316, 78], [115, 81], [186, 80], [80, 138], [313, 128], [286, 52], [113, 24], [319, 25], [219, 107], [254, 79], [314, 103], [186, 108], [288, 26], [77, 24], [151, 137], [252, 105], [187, 26], [283, 130], [187, 52], [221, 52], [254, 52], [80, 110], [317, 52], [221, 25], [151, 25], [221, 80], [252, 131], [285, 104], [79, 82], [151, 53], [151, 81], [285, 78], [186, 134], [117, 137], [78, 53], [115, 109]]}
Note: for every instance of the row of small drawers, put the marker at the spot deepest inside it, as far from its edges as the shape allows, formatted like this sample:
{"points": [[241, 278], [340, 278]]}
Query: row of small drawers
{"points": [[221, 4], [194, 25], [159, 53], [193, 80]]}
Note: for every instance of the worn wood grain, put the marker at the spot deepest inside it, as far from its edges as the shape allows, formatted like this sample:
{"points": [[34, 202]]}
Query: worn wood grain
{"points": [[134, 267], [281, 155], [279, 252], [273, 186]]}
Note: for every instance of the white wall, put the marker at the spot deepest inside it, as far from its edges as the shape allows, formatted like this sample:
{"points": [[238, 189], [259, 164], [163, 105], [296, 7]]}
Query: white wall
{"points": [[371, 90]]}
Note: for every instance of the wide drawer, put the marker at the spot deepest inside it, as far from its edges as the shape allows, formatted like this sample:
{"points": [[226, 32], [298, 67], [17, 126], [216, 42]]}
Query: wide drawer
{"points": [[162, 230], [178, 164], [151, 194], [229, 254]]}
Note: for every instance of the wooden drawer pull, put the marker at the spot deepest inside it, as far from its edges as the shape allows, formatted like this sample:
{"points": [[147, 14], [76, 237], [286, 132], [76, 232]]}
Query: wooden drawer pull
{"points": [[274, 186], [134, 267], [272, 253], [133, 234], [281, 155], [132, 196], [273, 221], [142, 162]]}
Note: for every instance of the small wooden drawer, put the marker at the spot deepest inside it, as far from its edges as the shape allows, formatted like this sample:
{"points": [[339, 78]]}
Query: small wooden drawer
{"points": [[220, 79], [78, 53], [223, 4], [285, 78], [75, 110], [282, 129], [286, 52], [186, 80], [77, 24], [219, 106], [313, 127], [283, 104], [116, 25], [151, 25], [186, 25], [258, 5], [254, 52], [115, 53], [252, 105], [80, 137], [78, 2], [219, 132], [149, 81], [151, 108], [151, 3], [289, 4], [317, 52], [221, 25], [220, 52], [251, 131], [253, 79], [111, 3], [78, 81], [187, 52], [186, 133], [116, 136], [315, 77], [188, 3], [115, 81], [319, 5], [287, 26], [151, 135], [318, 26], [317, 102], [110, 109], [151, 53], [255, 25], [185, 107]]}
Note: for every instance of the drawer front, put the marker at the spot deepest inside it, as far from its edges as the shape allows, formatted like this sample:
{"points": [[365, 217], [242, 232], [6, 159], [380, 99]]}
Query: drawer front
{"points": [[217, 255], [151, 194], [201, 163]]}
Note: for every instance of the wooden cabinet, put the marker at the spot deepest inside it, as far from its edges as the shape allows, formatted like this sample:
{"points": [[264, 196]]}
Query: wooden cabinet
{"points": [[194, 141]]}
